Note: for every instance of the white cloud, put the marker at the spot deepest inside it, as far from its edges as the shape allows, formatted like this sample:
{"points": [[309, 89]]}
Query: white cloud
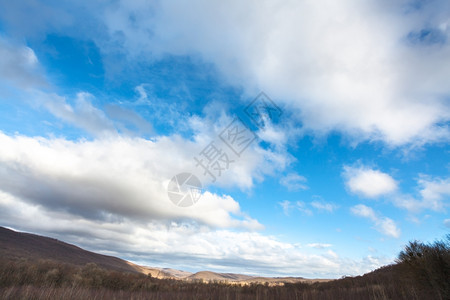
{"points": [[119, 176], [143, 96], [322, 206], [83, 114], [273, 134], [294, 182], [303, 207], [368, 182], [434, 194], [332, 254], [110, 193], [22, 79], [364, 211], [287, 206], [182, 244], [360, 68], [447, 223], [19, 65], [383, 224], [388, 227], [125, 118], [319, 245], [266, 161], [341, 68]]}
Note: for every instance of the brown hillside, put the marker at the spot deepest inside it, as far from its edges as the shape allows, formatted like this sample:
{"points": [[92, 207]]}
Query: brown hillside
{"points": [[17, 245]]}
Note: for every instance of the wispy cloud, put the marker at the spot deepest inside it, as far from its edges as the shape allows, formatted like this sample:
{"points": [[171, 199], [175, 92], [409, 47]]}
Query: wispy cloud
{"points": [[294, 182], [128, 121], [287, 206], [319, 245], [82, 115], [447, 223], [19, 65], [323, 206], [368, 182], [383, 224], [305, 207], [434, 194]]}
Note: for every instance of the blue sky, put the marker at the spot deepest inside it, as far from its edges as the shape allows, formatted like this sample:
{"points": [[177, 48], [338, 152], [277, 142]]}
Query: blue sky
{"points": [[102, 104]]}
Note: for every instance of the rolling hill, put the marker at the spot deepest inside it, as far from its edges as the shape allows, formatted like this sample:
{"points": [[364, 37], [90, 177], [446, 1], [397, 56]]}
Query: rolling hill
{"points": [[17, 245], [20, 245]]}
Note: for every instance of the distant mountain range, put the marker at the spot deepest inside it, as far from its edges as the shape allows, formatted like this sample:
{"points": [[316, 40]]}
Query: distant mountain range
{"points": [[20, 245]]}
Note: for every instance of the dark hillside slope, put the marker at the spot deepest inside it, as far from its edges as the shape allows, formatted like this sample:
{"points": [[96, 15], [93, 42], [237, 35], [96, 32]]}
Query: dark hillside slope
{"points": [[18, 245]]}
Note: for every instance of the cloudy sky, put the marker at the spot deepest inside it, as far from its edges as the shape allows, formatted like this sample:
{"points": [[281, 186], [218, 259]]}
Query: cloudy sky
{"points": [[342, 160]]}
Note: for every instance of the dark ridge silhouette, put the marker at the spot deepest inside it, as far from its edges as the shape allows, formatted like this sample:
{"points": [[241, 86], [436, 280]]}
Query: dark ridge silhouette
{"points": [[20, 245]]}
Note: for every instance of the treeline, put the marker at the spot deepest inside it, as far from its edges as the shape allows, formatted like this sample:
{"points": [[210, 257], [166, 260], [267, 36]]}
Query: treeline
{"points": [[47, 279], [422, 271], [427, 266]]}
